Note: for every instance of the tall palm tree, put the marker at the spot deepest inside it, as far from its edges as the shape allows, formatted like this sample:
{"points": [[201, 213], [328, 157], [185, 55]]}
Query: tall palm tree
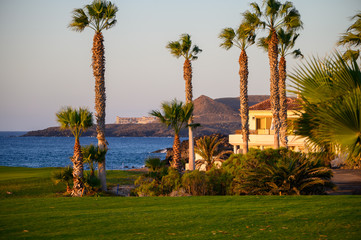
{"points": [[99, 16], [242, 38], [77, 121], [287, 40], [184, 48], [274, 16], [331, 99], [175, 115], [352, 37]]}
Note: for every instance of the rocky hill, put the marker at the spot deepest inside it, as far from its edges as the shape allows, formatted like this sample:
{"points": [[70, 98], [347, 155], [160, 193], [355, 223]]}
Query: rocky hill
{"points": [[215, 116], [207, 110], [234, 102]]}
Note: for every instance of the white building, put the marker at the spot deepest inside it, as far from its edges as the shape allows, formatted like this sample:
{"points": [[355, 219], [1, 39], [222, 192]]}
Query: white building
{"points": [[261, 128]]}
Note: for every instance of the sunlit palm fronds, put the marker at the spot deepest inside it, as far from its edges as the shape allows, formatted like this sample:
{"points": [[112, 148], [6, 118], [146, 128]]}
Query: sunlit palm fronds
{"points": [[77, 121], [331, 93], [98, 15], [183, 47]]}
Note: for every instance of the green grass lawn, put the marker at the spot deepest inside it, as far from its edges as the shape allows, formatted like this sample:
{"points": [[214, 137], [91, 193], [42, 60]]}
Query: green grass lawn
{"points": [[27, 216]]}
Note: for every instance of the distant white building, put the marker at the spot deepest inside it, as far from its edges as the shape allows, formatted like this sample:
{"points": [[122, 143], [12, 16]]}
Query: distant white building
{"points": [[134, 120]]}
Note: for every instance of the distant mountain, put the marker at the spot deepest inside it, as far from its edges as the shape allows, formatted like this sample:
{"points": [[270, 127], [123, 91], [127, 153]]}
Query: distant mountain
{"points": [[207, 110], [234, 102], [215, 116]]}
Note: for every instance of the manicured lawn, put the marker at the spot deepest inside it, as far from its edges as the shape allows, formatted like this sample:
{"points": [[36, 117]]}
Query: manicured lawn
{"points": [[213, 217], [36, 182]]}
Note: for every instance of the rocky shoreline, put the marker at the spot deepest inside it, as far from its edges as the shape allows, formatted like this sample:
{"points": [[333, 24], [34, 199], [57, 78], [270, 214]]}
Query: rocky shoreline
{"points": [[140, 130]]}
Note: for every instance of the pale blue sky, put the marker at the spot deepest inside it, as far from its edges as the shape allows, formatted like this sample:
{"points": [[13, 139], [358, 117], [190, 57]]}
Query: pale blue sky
{"points": [[44, 65]]}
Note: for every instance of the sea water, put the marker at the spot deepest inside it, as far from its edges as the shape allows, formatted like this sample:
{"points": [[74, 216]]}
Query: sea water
{"points": [[36, 152]]}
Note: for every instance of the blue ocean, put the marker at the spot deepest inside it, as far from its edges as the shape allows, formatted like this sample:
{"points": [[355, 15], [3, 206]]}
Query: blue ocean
{"points": [[37, 152]]}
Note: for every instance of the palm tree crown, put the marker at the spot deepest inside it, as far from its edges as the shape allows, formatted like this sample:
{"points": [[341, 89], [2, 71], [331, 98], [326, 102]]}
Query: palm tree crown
{"points": [[242, 38], [287, 41], [184, 48], [77, 121], [207, 149], [174, 114], [352, 37], [98, 15], [275, 15]]}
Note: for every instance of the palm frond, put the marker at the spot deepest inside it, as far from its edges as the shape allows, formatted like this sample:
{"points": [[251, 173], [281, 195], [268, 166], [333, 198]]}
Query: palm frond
{"points": [[174, 114], [77, 121], [98, 15], [227, 36]]}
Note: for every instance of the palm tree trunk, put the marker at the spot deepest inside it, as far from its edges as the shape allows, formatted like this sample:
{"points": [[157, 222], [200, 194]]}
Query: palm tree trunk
{"points": [[100, 98], [243, 74], [176, 163], [77, 160], [283, 102], [273, 61], [187, 75]]}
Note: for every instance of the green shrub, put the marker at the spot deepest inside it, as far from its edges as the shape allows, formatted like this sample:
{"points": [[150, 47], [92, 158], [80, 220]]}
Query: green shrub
{"points": [[157, 168], [277, 171], [195, 183], [147, 187], [91, 182], [64, 175], [170, 182], [219, 181]]}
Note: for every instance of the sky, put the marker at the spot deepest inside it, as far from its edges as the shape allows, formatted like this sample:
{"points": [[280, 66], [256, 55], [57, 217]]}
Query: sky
{"points": [[45, 66]]}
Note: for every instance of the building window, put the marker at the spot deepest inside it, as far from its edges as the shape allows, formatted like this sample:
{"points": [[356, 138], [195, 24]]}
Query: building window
{"points": [[263, 123]]}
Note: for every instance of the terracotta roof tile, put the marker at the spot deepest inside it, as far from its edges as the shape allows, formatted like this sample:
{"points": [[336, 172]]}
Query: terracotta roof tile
{"points": [[292, 104]]}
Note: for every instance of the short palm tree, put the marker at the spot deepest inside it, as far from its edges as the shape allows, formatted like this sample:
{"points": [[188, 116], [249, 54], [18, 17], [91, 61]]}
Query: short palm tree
{"points": [[93, 154], [77, 121], [99, 16], [242, 38], [287, 40], [175, 115], [184, 48], [274, 16], [352, 37], [290, 175], [64, 175], [331, 99], [207, 149]]}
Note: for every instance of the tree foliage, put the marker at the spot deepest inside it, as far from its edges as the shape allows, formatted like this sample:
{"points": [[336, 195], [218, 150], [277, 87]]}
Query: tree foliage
{"points": [[98, 15], [207, 149], [174, 115], [331, 95], [183, 47], [352, 38], [77, 121]]}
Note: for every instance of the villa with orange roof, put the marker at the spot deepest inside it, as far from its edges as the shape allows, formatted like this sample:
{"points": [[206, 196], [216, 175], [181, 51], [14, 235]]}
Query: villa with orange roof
{"points": [[261, 128]]}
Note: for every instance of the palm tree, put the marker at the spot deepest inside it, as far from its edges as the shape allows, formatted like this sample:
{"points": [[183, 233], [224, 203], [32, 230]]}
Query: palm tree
{"points": [[331, 98], [352, 37], [184, 48], [207, 149], [93, 154], [99, 16], [274, 16], [64, 175], [242, 38], [175, 115], [77, 121], [287, 40]]}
